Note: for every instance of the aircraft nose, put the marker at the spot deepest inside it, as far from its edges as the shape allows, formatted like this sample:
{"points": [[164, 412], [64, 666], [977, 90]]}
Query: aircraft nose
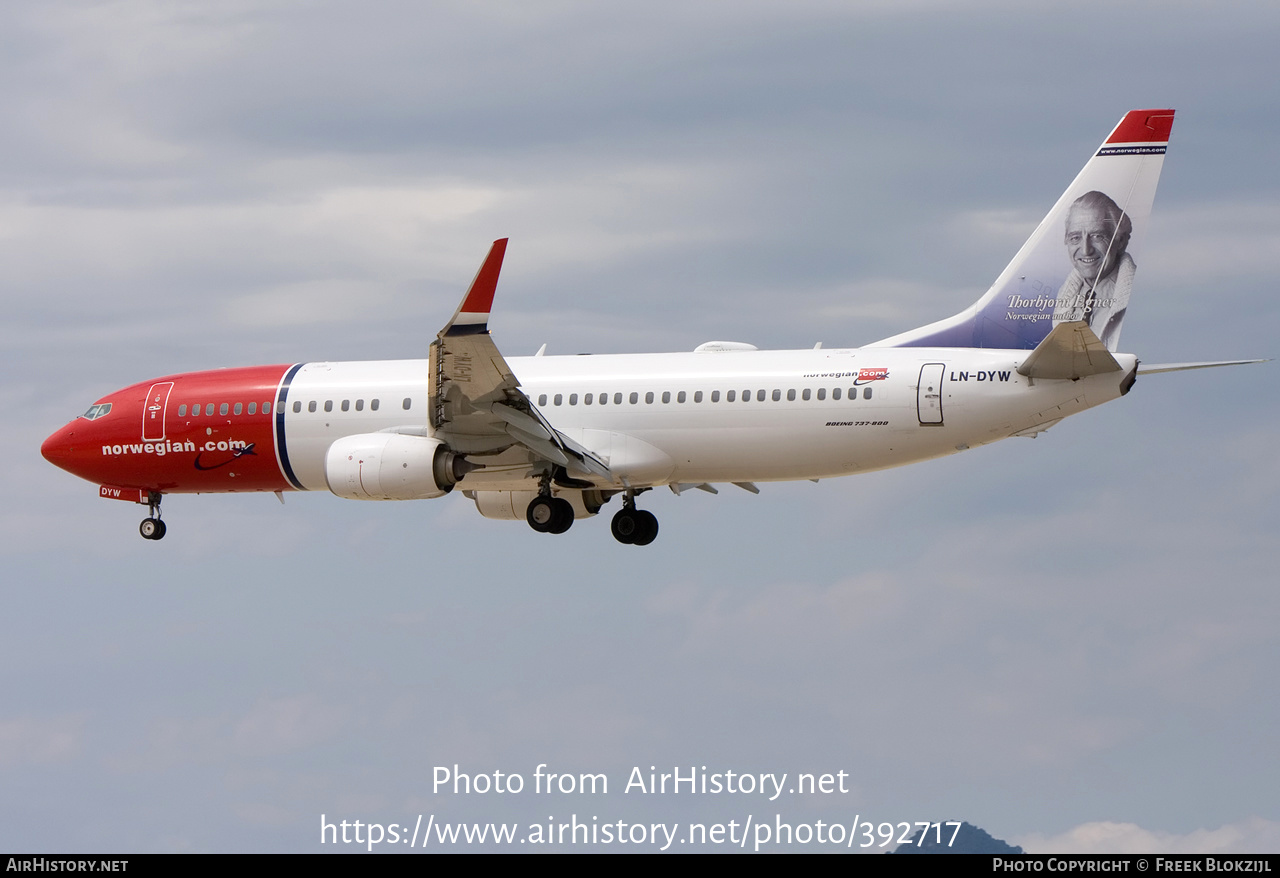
{"points": [[57, 449]]}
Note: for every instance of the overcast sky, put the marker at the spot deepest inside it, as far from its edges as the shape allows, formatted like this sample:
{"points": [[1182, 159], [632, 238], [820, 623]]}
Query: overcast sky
{"points": [[1070, 641]]}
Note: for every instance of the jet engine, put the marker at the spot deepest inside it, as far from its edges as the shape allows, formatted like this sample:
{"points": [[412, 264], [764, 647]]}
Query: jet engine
{"points": [[392, 466]]}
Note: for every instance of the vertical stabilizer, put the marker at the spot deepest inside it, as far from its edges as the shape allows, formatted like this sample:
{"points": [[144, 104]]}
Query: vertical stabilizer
{"points": [[1079, 263]]}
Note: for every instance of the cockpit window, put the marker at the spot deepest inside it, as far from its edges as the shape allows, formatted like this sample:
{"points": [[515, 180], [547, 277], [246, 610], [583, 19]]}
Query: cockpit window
{"points": [[97, 411]]}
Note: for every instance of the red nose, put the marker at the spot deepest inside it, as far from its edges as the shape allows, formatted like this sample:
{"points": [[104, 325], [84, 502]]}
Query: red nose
{"points": [[57, 448]]}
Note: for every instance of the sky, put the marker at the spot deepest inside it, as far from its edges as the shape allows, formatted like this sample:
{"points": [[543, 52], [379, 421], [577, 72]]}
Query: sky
{"points": [[1068, 641]]}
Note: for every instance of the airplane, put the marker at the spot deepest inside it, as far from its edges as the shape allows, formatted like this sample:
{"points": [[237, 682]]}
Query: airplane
{"points": [[553, 439]]}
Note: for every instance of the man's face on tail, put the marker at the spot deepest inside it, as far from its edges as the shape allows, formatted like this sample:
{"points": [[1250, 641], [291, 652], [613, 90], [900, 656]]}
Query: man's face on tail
{"points": [[1090, 232]]}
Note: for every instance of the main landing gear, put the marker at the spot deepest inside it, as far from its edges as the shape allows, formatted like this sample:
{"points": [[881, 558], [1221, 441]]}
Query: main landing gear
{"points": [[554, 515], [635, 527], [152, 528], [547, 514]]}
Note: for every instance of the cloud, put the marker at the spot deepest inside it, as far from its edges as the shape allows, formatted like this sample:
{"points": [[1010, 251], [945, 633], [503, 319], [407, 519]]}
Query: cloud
{"points": [[40, 740], [285, 725], [1253, 836]]}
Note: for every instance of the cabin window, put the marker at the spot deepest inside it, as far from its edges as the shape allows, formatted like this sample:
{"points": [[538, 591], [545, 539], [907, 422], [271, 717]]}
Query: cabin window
{"points": [[648, 398], [346, 405], [760, 395], [822, 393], [222, 409], [253, 408], [680, 396], [266, 408], [195, 410], [777, 396], [635, 397], [328, 405], [407, 402], [731, 396], [866, 393], [542, 399], [697, 396], [804, 394], [208, 410], [666, 396], [715, 396], [586, 400], [311, 406], [373, 405], [573, 399], [238, 409], [604, 398], [791, 395], [617, 399], [359, 405], [559, 398], [297, 406], [835, 393]]}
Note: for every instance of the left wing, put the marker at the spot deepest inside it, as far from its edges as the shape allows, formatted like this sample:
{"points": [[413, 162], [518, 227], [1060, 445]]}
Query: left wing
{"points": [[476, 404]]}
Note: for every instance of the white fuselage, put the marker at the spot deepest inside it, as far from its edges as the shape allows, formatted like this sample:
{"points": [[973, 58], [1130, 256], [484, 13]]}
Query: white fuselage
{"points": [[724, 416]]}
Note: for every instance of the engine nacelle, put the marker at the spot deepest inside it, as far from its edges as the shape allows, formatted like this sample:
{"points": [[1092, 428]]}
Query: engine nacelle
{"points": [[512, 505], [391, 466]]}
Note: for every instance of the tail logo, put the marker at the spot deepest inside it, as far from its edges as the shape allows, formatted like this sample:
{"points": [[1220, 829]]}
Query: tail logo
{"points": [[1079, 263]]}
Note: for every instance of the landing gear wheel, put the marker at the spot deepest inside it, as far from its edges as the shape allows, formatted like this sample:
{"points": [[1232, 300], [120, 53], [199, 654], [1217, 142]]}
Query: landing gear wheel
{"points": [[152, 528], [634, 527], [646, 527], [563, 519], [624, 526], [541, 514]]}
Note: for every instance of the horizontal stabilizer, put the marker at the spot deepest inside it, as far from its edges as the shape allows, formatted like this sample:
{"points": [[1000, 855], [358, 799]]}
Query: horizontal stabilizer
{"points": [[1155, 368], [1070, 350]]}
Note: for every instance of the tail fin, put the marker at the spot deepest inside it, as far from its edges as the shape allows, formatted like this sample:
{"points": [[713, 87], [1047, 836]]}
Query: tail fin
{"points": [[1079, 263]]}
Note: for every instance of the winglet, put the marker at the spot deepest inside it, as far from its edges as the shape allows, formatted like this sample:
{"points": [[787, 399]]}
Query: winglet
{"points": [[472, 316]]}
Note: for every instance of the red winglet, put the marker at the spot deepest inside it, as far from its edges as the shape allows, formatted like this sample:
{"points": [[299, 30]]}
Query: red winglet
{"points": [[1143, 126], [479, 298]]}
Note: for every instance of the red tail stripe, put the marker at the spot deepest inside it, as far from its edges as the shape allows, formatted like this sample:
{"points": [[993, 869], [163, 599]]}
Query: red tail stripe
{"points": [[1143, 126]]}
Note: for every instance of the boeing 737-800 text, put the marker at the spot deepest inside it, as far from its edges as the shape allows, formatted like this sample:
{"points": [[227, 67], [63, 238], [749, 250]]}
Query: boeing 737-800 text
{"points": [[553, 439]]}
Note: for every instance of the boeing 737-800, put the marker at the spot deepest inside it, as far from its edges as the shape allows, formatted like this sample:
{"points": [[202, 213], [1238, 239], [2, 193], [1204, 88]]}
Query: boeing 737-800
{"points": [[553, 439]]}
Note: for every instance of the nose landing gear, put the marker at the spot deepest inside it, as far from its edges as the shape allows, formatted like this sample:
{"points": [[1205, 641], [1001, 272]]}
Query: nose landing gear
{"points": [[152, 528]]}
